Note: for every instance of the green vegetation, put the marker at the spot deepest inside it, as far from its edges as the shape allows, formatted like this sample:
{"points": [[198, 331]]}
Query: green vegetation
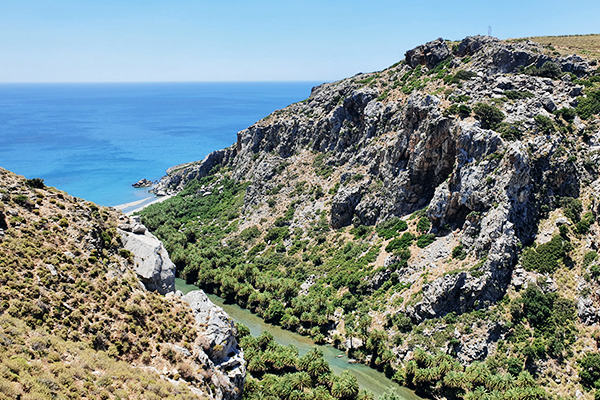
{"points": [[589, 105], [36, 183], [489, 116], [391, 227], [279, 372], [545, 124], [459, 253], [320, 167], [461, 75], [548, 70], [462, 110], [546, 257]]}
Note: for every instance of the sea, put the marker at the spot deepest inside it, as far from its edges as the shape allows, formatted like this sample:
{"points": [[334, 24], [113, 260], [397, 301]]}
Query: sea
{"points": [[95, 140]]}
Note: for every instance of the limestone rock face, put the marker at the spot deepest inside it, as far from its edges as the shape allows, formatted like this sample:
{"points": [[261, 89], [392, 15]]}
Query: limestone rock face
{"points": [[153, 266], [410, 154], [178, 175], [429, 54], [220, 349]]}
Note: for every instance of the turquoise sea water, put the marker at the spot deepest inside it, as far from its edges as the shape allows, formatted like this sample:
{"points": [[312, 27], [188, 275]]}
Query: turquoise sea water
{"points": [[94, 140]]}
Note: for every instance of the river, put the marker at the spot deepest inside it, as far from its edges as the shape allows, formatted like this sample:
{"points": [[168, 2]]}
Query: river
{"points": [[368, 378]]}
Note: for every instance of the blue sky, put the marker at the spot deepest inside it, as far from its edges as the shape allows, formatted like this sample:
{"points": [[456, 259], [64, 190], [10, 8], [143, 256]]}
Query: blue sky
{"points": [[258, 40]]}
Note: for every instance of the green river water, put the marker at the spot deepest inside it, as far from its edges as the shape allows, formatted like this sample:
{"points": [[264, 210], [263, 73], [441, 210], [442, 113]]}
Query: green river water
{"points": [[368, 378]]}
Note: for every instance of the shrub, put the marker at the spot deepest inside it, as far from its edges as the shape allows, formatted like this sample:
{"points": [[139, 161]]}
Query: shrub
{"points": [[21, 199], [544, 258], [459, 253], [590, 370], [36, 183], [589, 105], [461, 75], [589, 258], [402, 243], [545, 124], [489, 116], [424, 225], [572, 208], [277, 233], [568, 114], [425, 240], [548, 70], [391, 227], [360, 231], [509, 131], [250, 233]]}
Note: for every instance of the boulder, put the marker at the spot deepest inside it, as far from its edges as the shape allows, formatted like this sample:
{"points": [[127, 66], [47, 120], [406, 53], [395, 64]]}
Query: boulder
{"points": [[152, 264], [142, 183], [587, 313], [343, 205], [429, 54], [215, 325]]}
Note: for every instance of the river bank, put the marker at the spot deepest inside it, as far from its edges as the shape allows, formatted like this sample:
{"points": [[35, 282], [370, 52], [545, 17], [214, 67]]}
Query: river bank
{"points": [[367, 377]]}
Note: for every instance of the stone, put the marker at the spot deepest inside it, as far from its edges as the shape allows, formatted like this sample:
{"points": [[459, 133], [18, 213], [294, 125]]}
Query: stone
{"points": [[562, 221], [587, 313], [343, 205], [142, 183], [548, 104], [138, 229], [429, 54], [152, 264], [125, 227]]}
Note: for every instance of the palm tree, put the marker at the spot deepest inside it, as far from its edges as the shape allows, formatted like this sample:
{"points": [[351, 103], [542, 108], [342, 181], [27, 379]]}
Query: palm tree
{"points": [[318, 367], [285, 388], [525, 380], [422, 358], [457, 380], [311, 355], [301, 380], [345, 386], [257, 365]]}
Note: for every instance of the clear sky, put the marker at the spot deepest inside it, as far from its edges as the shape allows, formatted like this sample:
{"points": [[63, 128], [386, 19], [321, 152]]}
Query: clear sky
{"points": [[251, 40]]}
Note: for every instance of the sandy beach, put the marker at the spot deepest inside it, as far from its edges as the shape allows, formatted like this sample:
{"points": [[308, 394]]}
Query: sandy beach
{"points": [[130, 208]]}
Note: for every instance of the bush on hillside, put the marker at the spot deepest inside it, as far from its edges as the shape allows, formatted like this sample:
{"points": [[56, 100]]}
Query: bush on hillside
{"points": [[489, 116]]}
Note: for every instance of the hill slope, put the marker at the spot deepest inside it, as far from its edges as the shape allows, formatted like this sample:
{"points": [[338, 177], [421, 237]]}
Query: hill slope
{"points": [[76, 322], [437, 219]]}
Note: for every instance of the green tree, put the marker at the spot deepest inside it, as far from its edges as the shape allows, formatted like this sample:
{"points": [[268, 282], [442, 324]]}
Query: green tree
{"points": [[489, 116]]}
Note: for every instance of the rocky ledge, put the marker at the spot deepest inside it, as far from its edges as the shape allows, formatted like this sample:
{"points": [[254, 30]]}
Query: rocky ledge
{"points": [[152, 264]]}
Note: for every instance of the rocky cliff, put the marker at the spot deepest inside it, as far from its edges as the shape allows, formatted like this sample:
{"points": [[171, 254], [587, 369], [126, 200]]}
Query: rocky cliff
{"points": [[431, 192]]}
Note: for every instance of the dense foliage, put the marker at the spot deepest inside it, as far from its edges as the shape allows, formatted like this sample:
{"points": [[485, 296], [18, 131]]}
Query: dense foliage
{"points": [[279, 372]]}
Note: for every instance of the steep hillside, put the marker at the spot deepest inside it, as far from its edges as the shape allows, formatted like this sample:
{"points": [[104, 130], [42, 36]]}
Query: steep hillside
{"points": [[437, 219], [76, 321]]}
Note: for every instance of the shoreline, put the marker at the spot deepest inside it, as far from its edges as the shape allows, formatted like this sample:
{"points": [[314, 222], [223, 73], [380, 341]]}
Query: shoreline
{"points": [[138, 205]]}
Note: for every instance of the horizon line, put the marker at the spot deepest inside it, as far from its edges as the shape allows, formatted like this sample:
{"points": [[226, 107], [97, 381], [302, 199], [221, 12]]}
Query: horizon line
{"points": [[144, 82]]}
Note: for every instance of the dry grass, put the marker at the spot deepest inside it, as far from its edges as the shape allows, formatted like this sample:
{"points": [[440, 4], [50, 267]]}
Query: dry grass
{"points": [[587, 45]]}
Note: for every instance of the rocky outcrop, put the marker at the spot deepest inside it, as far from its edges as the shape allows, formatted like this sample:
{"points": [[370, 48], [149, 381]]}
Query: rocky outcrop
{"points": [[429, 54], [219, 349], [179, 175], [587, 313], [142, 183], [152, 264], [412, 154]]}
